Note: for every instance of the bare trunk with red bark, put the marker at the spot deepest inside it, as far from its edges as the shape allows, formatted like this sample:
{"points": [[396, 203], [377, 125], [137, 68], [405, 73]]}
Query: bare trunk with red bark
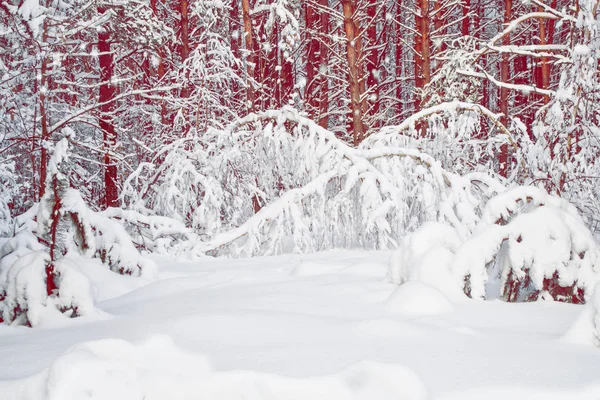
{"points": [[504, 72], [400, 32], [43, 83], [184, 30], [317, 61], [373, 67], [251, 58], [160, 70], [355, 70], [106, 99], [465, 29], [544, 68], [313, 60], [422, 58]]}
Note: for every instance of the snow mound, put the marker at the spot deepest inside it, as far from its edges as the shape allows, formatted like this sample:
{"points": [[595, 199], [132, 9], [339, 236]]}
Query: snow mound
{"points": [[586, 328], [426, 256], [582, 330], [113, 369], [418, 298]]}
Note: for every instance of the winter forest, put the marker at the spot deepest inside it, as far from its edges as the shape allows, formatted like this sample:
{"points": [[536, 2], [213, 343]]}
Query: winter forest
{"points": [[428, 159]]}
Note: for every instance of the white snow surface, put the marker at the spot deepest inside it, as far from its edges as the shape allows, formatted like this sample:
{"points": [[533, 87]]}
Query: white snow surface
{"points": [[320, 326]]}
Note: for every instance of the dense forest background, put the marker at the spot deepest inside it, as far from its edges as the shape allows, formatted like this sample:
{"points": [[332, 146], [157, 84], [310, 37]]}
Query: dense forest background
{"points": [[170, 106]]}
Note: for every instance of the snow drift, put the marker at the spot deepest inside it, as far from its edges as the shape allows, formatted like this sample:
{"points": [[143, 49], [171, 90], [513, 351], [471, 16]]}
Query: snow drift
{"points": [[113, 369]]}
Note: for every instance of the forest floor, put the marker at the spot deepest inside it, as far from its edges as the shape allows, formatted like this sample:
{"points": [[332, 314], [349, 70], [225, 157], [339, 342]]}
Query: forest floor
{"points": [[321, 326]]}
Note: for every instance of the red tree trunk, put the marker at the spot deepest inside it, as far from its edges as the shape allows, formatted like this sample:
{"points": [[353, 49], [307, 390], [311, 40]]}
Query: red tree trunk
{"points": [[373, 67], [399, 60], [423, 59], [313, 50], [545, 66], [106, 98], [184, 29], [160, 71], [466, 22], [251, 60], [355, 69], [286, 80], [43, 117], [504, 71], [323, 68]]}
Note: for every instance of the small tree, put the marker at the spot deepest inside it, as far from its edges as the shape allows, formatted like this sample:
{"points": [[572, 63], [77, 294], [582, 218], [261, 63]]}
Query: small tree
{"points": [[531, 245], [37, 268], [565, 156]]}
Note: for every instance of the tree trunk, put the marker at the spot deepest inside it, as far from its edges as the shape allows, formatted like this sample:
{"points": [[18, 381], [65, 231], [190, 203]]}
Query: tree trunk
{"points": [[43, 117], [355, 69], [418, 59], [425, 43], [313, 48], [160, 71], [106, 97], [44, 126], [373, 68], [323, 69], [466, 22], [440, 32], [399, 61], [545, 66], [251, 58], [184, 29], [504, 71], [423, 59], [234, 28], [485, 97], [286, 80]]}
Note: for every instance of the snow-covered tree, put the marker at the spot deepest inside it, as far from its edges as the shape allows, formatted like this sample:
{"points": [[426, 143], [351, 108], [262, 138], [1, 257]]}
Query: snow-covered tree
{"points": [[565, 156], [529, 245], [41, 269]]}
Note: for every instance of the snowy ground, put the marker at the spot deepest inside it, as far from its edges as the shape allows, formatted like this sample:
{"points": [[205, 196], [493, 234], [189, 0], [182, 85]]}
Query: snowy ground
{"points": [[322, 326]]}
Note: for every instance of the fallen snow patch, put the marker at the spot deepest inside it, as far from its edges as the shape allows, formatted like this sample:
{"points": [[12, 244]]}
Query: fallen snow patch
{"points": [[114, 369]]}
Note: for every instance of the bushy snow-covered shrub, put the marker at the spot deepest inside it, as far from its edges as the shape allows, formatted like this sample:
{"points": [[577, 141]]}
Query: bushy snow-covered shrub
{"points": [[40, 266], [527, 245], [151, 233], [276, 181], [24, 298]]}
